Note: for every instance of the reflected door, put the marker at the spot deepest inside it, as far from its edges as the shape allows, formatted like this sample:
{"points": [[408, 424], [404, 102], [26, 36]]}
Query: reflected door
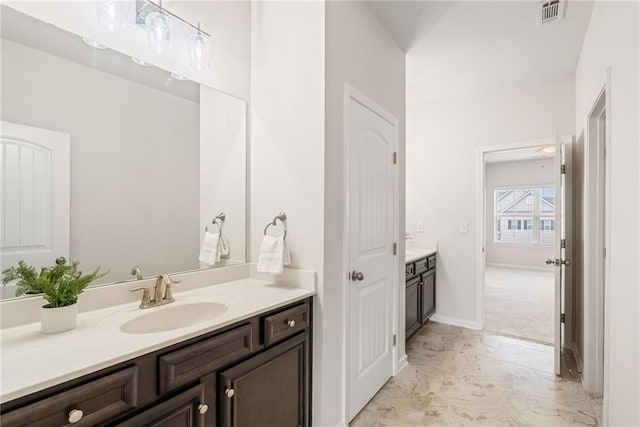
{"points": [[34, 201]]}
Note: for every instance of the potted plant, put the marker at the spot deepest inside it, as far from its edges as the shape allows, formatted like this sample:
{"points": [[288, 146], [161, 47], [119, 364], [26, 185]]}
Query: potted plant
{"points": [[60, 286]]}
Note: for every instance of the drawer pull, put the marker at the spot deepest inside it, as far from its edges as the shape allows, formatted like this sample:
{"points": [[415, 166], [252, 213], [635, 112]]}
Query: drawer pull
{"points": [[229, 392], [75, 415], [203, 408], [291, 323]]}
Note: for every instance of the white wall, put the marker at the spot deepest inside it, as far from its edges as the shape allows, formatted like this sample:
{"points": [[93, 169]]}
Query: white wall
{"points": [[123, 154], [515, 174], [287, 153], [359, 51], [612, 41], [229, 23], [442, 140]]}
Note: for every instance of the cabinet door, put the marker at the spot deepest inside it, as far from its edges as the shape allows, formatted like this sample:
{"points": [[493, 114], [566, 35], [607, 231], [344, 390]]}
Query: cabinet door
{"points": [[412, 323], [187, 409], [270, 389], [428, 295]]}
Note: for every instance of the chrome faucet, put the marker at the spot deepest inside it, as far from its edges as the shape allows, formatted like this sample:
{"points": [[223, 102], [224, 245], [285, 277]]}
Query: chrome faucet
{"points": [[158, 297]]}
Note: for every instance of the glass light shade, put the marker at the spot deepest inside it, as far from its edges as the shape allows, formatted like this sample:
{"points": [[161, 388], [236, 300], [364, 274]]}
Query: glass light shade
{"points": [[158, 31], [199, 48], [112, 14]]}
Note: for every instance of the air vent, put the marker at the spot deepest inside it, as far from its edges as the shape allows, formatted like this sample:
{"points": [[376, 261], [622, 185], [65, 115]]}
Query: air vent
{"points": [[550, 11]]}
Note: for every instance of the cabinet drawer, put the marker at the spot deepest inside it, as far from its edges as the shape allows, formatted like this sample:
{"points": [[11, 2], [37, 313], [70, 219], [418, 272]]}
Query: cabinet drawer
{"points": [[422, 265], [285, 324], [99, 400], [431, 261], [410, 270], [183, 366]]}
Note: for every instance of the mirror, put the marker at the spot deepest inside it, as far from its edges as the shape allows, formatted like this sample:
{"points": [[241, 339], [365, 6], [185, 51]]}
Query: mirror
{"points": [[112, 162]]}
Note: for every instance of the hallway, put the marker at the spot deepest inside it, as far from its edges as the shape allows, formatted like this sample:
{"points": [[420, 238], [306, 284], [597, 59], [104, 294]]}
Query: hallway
{"points": [[459, 376]]}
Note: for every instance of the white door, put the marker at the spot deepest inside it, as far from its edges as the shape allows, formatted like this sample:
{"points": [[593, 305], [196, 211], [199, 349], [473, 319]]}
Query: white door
{"points": [[34, 202], [371, 284], [562, 225]]}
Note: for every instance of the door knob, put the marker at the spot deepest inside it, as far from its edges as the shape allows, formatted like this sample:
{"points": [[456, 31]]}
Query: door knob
{"points": [[229, 392], [75, 415], [566, 262], [357, 275], [203, 408], [549, 261]]}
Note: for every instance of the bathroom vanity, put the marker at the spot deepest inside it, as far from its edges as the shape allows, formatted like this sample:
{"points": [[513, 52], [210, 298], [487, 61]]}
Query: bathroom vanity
{"points": [[250, 365], [420, 292]]}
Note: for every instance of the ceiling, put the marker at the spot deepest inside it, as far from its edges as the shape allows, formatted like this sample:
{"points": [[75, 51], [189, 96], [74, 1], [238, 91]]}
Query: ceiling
{"points": [[456, 48]]}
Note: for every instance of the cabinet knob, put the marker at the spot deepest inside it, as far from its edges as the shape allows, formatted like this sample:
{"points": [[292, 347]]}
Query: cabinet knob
{"points": [[229, 392], [291, 323], [75, 415], [203, 408]]}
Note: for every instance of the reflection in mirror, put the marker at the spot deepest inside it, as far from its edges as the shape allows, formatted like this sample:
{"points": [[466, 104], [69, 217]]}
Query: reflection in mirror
{"points": [[110, 162]]}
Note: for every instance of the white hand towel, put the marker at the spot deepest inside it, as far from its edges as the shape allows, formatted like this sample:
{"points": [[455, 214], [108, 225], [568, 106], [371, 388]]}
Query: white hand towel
{"points": [[274, 254], [223, 247], [209, 254]]}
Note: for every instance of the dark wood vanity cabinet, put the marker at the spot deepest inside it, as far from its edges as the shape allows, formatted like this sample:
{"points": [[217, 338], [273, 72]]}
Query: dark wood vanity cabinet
{"points": [[420, 293], [253, 373]]}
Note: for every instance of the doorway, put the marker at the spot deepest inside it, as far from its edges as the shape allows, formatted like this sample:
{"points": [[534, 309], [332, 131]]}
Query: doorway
{"points": [[520, 234], [525, 208], [371, 288]]}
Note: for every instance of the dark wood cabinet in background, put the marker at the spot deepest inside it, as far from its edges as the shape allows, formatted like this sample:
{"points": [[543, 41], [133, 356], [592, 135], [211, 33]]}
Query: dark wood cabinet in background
{"points": [[412, 294], [250, 374], [420, 293]]}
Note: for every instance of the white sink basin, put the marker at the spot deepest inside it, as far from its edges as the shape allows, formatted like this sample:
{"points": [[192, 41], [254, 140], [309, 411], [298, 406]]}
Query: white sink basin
{"points": [[169, 318]]}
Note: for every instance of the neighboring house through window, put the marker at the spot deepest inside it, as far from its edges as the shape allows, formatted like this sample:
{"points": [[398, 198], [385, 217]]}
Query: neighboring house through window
{"points": [[525, 215]]}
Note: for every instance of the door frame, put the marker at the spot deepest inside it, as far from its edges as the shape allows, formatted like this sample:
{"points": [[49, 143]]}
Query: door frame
{"points": [[351, 93], [481, 234], [597, 238]]}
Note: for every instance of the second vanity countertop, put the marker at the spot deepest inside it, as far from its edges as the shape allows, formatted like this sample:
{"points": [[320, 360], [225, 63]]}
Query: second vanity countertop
{"points": [[32, 361], [418, 249]]}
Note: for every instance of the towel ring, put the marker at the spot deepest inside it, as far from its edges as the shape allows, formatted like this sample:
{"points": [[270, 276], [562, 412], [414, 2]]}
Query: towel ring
{"points": [[221, 218], [282, 217]]}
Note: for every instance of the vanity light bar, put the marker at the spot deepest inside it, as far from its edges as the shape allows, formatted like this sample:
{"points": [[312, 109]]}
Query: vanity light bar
{"points": [[145, 7]]}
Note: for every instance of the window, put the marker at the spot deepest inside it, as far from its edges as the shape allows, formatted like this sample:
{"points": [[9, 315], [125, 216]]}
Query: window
{"points": [[525, 215]]}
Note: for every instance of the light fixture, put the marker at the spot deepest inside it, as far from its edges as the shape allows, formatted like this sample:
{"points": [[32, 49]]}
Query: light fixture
{"points": [[178, 77], [141, 62], [94, 44], [112, 14], [199, 50], [158, 30]]}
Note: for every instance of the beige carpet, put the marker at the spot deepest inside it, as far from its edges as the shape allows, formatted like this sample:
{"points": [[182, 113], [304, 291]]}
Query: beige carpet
{"points": [[519, 303]]}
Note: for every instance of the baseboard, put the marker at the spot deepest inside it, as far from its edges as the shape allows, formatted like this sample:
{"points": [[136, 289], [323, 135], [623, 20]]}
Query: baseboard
{"points": [[402, 363], [469, 324], [520, 267]]}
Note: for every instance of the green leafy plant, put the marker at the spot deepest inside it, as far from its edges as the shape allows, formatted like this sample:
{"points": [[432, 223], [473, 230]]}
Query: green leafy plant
{"points": [[60, 284]]}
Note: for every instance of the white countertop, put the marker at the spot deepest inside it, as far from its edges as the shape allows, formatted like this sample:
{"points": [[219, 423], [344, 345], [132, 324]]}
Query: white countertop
{"points": [[418, 249], [32, 361]]}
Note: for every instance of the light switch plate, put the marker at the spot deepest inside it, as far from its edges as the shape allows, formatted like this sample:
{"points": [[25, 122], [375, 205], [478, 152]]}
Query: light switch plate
{"points": [[464, 228], [420, 227]]}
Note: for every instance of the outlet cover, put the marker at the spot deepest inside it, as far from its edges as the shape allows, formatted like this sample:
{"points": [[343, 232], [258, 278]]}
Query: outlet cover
{"points": [[464, 228], [420, 227]]}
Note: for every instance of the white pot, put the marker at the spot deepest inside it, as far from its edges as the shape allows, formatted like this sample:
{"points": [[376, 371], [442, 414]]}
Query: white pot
{"points": [[59, 319]]}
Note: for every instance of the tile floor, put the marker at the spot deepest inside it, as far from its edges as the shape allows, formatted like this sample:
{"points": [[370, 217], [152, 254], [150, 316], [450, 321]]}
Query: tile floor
{"points": [[519, 303], [458, 376]]}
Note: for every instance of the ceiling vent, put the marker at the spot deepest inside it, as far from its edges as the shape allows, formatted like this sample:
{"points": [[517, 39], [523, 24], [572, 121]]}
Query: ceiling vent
{"points": [[550, 11]]}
